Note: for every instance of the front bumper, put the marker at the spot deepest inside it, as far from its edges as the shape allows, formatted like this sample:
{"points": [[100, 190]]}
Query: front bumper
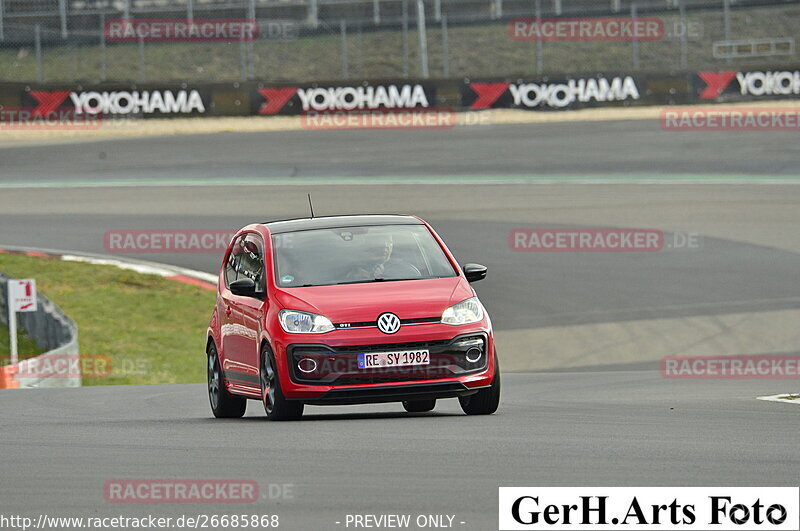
{"points": [[462, 355], [339, 380], [391, 393]]}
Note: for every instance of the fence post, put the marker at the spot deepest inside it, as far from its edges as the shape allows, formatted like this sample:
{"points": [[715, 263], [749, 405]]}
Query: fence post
{"points": [[437, 10], [62, 13], [498, 8], [251, 56], [142, 65], [423, 39], [634, 40], [376, 12], [726, 14], [12, 331], [103, 58], [313, 14], [345, 59], [37, 35], [539, 44], [557, 7], [405, 38], [616, 5], [126, 9], [189, 10], [243, 58], [684, 33], [2, 29], [445, 49]]}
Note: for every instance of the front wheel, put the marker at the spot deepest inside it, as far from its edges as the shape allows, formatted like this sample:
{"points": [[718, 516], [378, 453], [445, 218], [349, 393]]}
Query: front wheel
{"points": [[223, 405], [485, 401], [276, 405]]}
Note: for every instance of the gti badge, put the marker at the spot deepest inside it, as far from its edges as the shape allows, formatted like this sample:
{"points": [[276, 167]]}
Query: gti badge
{"points": [[388, 323]]}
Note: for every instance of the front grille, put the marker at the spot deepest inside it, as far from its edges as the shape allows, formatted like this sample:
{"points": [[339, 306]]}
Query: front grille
{"points": [[374, 324], [391, 347], [339, 365]]}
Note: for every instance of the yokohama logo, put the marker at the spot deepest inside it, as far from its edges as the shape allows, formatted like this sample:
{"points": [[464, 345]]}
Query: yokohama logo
{"points": [[777, 83], [120, 102], [555, 95], [322, 99], [716, 83], [275, 99], [48, 101]]}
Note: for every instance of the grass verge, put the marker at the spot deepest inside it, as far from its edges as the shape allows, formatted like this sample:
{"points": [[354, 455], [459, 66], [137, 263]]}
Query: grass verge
{"points": [[26, 347], [152, 328]]}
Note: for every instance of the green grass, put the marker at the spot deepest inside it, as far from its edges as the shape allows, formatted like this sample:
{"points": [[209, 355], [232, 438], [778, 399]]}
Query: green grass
{"points": [[26, 347], [152, 328], [476, 50]]}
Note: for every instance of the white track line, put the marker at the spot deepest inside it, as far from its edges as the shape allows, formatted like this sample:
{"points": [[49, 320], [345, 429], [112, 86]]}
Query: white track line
{"points": [[790, 398]]}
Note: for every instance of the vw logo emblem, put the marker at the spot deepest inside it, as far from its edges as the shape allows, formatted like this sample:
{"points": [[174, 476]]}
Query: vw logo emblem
{"points": [[388, 323]]}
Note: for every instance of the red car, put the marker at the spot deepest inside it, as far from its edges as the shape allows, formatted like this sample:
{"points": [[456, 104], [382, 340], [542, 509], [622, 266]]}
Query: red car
{"points": [[348, 310]]}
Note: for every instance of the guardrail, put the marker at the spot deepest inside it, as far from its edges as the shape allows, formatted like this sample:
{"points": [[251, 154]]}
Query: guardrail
{"points": [[51, 329]]}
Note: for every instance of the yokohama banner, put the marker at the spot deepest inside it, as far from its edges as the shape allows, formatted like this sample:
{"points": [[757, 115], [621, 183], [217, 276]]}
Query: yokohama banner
{"points": [[81, 106], [747, 85], [363, 97], [118, 101], [548, 94]]}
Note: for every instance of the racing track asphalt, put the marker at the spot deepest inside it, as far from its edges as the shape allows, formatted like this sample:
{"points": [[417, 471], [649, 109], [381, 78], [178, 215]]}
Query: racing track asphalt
{"points": [[614, 147], [593, 427], [628, 428]]}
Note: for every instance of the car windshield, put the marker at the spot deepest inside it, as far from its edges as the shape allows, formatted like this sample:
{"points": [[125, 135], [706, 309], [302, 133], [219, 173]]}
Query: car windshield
{"points": [[352, 255]]}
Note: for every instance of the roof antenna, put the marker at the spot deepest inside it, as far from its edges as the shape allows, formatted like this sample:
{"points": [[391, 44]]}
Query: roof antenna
{"points": [[311, 206]]}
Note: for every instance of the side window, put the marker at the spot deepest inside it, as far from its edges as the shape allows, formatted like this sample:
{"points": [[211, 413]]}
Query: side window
{"points": [[232, 265], [251, 263]]}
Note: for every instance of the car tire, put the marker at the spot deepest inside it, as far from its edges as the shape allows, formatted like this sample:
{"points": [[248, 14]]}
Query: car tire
{"points": [[276, 405], [223, 404], [485, 401], [419, 406]]}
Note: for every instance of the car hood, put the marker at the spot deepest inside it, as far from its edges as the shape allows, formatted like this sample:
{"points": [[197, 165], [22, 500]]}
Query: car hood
{"points": [[349, 303]]}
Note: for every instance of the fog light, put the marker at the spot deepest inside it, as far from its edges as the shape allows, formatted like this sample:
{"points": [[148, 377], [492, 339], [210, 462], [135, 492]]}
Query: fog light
{"points": [[469, 342], [474, 354], [307, 365]]}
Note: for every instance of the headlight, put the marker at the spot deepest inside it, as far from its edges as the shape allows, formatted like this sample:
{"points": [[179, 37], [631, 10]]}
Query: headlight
{"points": [[465, 312], [297, 322]]}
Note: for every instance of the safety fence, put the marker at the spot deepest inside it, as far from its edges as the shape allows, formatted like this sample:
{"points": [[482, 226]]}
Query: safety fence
{"points": [[404, 39], [51, 329]]}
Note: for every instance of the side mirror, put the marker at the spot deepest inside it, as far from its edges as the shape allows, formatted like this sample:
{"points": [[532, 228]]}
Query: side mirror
{"points": [[474, 272], [244, 287]]}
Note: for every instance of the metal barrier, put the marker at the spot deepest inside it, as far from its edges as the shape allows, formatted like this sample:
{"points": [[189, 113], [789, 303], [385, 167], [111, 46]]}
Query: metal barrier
{"points": [[51, 329]]}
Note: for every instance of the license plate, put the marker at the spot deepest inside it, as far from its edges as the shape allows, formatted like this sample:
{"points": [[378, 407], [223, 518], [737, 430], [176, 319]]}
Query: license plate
{"points": [[405, 358]]}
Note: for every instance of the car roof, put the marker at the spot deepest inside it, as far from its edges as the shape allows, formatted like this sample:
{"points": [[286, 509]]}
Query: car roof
{"points": [[334, 222]]}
